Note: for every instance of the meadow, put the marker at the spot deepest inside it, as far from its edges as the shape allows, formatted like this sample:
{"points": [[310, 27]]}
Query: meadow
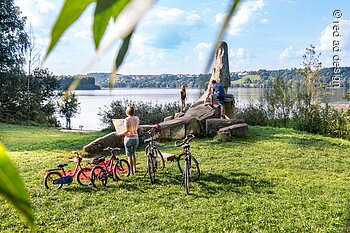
{"points": [[273, 180]]}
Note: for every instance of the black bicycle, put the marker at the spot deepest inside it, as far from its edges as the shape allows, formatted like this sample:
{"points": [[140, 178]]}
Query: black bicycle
{"points": [[153, 154], [190, 170]]}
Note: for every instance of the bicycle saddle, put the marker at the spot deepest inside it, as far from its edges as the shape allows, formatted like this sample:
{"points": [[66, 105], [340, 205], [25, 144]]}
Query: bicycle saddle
{"points": [[97, 160], [61, 165]]}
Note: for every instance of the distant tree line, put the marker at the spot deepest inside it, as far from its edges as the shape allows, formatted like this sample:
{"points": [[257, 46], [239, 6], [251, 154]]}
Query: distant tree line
{"points": [[265, 80], [268, 76], [86, 83]]}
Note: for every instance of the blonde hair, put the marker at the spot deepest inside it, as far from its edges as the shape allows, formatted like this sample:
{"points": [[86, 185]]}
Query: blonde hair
{"points": [[130, 110]]}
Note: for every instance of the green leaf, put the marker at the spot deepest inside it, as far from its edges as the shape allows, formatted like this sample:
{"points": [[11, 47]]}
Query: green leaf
{"points": [[222, 32], [70, 12], [120, 57], [118, 7], [104, 10], [123, 49], [12, 187]]}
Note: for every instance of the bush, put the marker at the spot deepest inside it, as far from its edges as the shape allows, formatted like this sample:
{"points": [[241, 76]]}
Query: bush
{"points": [[253, 114], [148, 113]]}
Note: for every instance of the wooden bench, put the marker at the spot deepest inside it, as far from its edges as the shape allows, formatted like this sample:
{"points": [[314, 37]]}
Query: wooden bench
{"points": [[168, 157]]}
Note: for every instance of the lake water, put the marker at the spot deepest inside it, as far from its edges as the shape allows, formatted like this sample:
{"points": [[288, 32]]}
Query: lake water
{"points": [[92, 100]]}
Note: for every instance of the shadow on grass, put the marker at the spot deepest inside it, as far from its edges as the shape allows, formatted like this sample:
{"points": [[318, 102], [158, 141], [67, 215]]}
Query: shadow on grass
{"points": [[237, 182]]}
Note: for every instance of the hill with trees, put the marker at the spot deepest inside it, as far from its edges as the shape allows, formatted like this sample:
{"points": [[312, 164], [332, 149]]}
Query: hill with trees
{"points": [[261, 78]]}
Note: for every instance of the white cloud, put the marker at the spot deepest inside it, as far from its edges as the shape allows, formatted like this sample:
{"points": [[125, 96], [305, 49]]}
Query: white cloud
{"points": [[342, 35], [45, 6], [172, 16], [202, 49], [245, 15], [290, 53], [83, 34], [239, 59], [264, 21], [34, 10]]}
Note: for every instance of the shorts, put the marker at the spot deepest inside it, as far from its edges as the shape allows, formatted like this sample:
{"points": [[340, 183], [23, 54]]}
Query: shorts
{"points": [[130, 146], [219, 98]]}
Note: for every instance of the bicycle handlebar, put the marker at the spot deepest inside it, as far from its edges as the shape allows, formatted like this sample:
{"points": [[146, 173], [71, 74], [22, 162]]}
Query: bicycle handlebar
{"points": [[111, 149], [186, 140]]}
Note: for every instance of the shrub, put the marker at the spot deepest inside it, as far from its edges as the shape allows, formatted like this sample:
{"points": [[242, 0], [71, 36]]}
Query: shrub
{"points": [[148, 113]]}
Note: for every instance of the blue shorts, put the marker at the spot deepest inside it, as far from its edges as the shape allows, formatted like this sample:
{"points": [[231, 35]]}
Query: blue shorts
{"points": [[219, 98], [130, 146]]}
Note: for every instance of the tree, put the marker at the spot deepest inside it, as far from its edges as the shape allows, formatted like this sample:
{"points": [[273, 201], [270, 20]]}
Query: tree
{"points": [[68, 101], [310, 85], [41, 98], [13, 37], [13, 44]]}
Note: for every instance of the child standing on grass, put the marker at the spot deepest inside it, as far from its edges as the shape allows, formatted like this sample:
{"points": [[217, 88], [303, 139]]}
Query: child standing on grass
{"points": [[131, 139], [183, 98]]}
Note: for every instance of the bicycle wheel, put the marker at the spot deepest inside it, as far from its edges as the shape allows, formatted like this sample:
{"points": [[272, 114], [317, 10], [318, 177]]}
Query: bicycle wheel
{"points": [[151, 169], [50, 177], [159, 159], [83, 176], [195, 172], [121, 169], [186, 177], [98, 177], [180, 162]]}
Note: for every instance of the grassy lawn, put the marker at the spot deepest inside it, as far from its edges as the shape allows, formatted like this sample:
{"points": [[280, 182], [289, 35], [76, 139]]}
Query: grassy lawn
{"points": [[274, 180]]}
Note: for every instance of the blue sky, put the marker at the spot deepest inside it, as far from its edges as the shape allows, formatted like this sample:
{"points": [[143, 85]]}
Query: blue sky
{"points": [[175, 36]]}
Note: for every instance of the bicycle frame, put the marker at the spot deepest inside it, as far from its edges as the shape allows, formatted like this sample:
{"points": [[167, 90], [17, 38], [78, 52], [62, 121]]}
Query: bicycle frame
{"points": [[59, 176], [63, 171], [152, 152], [187, 173]]}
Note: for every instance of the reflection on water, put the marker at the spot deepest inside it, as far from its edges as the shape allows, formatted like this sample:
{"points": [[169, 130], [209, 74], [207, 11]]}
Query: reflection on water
{"points": [[92, 100]]}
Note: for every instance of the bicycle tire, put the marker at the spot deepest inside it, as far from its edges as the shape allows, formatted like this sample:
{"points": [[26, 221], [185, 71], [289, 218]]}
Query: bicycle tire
{"points": [[98, 177], [161, 158], [187, 178], [83, 177], [180, 162], [151, 169], [195, 171], [50, 177], [121, 169]]}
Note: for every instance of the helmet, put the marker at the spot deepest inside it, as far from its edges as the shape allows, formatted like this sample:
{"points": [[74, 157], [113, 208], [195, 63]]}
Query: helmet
{"points": [[157, 128]]}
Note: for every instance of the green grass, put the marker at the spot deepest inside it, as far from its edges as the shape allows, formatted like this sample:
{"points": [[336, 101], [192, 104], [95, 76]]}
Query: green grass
{"points": [[242, 80], [274, 180]]}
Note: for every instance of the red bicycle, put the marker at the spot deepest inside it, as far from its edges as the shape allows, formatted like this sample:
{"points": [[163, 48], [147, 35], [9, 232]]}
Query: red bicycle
{"points": [[115, 168], [57, 177]]}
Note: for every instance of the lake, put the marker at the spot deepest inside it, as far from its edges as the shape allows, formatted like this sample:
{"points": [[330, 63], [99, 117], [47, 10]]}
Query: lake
{"points": [[92, 100]]}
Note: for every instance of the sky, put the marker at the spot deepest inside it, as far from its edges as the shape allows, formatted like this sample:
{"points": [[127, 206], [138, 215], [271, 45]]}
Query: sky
{"points": [[175, 36]]}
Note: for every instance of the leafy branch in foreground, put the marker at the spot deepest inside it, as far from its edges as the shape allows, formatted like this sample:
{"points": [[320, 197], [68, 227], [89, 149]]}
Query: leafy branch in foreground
{"points": [[12, 187]]}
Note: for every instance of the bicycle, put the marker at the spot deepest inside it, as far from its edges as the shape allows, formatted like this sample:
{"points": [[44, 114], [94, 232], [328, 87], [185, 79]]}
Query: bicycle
{"points": [[190, 172], [55, 178], [115, 168], [153, 153]]}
